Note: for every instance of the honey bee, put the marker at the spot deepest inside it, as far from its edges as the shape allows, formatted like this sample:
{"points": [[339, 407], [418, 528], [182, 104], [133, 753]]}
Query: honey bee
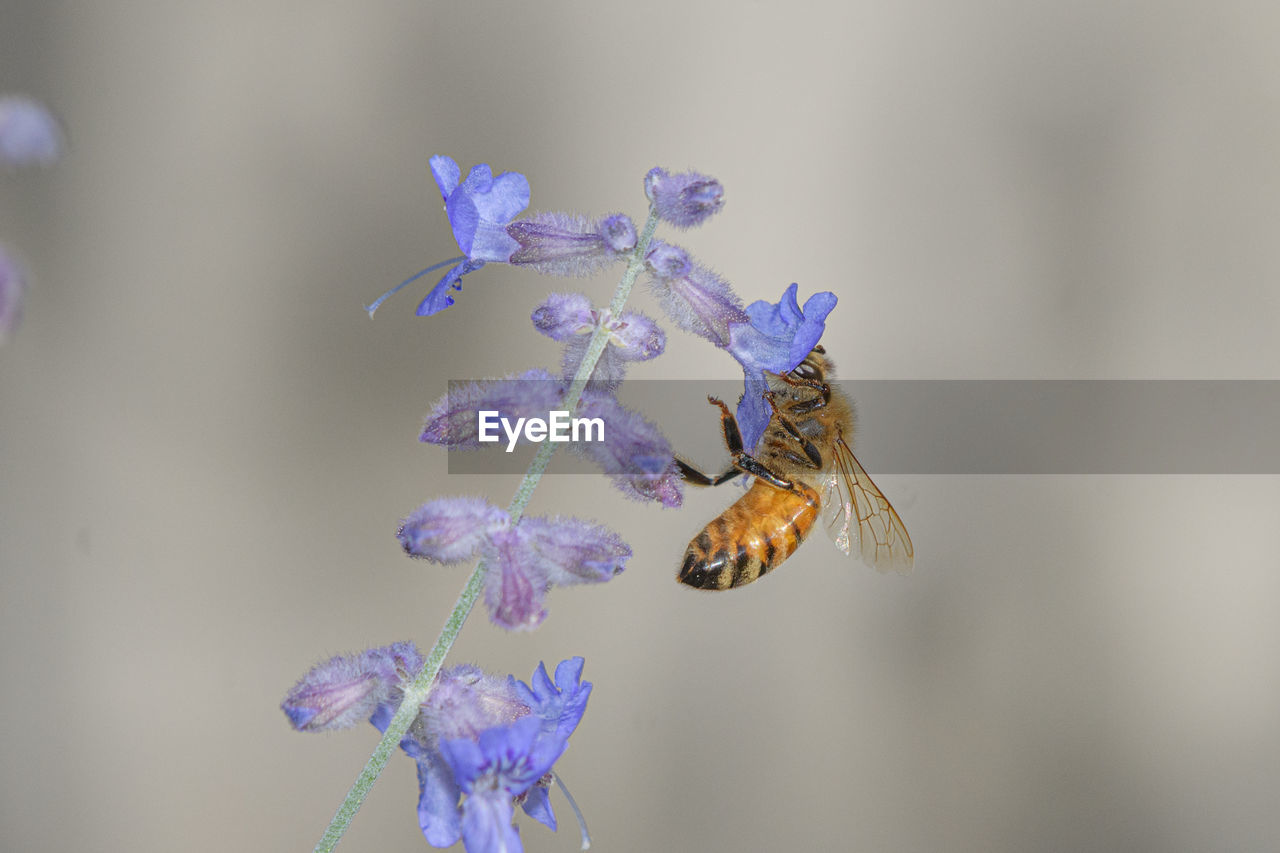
{"points": [[803, 468]]}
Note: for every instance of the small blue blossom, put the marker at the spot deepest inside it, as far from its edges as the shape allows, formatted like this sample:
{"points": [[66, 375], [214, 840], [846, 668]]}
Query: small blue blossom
{"points": [[479, 209], [29, 134], [777, 338]]}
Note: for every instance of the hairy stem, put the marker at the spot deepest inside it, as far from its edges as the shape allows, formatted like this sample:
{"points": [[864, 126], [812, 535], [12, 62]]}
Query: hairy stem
{"points": [[416, 692]]}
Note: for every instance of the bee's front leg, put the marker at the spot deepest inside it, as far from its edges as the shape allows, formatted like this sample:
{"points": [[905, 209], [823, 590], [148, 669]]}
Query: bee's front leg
{"points": [[742, 460]]}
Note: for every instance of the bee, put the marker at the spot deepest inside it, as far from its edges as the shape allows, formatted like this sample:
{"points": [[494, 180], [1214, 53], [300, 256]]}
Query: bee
{"points": [[803, 468]]}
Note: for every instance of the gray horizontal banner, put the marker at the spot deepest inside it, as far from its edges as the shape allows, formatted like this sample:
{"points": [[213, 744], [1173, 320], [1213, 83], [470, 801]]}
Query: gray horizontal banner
{"points": [[982, 427]]}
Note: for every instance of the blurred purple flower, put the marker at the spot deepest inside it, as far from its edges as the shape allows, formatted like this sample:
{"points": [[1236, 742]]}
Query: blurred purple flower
{"points": [[777, 338], [685, 199], [29, 134], [13, 287]]}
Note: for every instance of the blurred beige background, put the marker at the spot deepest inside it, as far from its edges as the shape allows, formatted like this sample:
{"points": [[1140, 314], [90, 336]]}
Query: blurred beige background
{"points": [[205, 444]]}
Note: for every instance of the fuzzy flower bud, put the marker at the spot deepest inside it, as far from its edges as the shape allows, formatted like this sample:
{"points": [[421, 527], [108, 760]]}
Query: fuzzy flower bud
{"points": [[683, 200], [344, 690], [450, 530], [568, 245], [695, 298], [634, 453], [564, 315], [453, 419]]}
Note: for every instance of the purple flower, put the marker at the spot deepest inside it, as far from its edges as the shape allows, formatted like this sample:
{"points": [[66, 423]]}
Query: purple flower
{"points": [[453, 420], [569, 317], [29, 134], [526, 560], [683, 200], [776, 339], [569, 245], [494, 740], [479, 210], [633, 452], [450, 530], [344, 690], [696, 299], [13, 288]]}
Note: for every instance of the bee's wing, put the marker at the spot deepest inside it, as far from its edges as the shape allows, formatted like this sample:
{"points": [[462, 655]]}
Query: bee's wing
{"points": [[859, 518]]}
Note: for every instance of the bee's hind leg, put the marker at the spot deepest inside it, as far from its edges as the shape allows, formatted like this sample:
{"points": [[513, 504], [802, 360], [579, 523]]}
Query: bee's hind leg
{"points": [[695, 477]]}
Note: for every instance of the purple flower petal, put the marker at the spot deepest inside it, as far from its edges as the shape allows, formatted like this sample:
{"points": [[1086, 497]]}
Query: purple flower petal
{"points": [[439, 298], [537, 805], [450, 530], [486, 824], [515, 586], [447, 173], [438, 795]]}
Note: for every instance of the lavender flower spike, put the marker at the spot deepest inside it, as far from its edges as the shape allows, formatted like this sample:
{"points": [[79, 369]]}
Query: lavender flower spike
{"points": [[29, 134], [683, 200], [777, 338], [13, 288], [479, 210], [567, 245]]}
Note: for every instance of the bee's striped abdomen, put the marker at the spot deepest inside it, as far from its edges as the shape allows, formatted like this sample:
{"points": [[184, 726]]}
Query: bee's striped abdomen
{"points": [[750, 538]]}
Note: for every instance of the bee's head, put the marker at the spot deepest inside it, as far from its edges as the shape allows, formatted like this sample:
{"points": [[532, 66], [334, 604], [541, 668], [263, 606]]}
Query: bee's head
{"points": [[816, 366]]}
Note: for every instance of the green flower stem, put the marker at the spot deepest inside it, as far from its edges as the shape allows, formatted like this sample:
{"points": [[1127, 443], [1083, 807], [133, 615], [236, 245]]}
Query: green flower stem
{"points": [[417, 692]]}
